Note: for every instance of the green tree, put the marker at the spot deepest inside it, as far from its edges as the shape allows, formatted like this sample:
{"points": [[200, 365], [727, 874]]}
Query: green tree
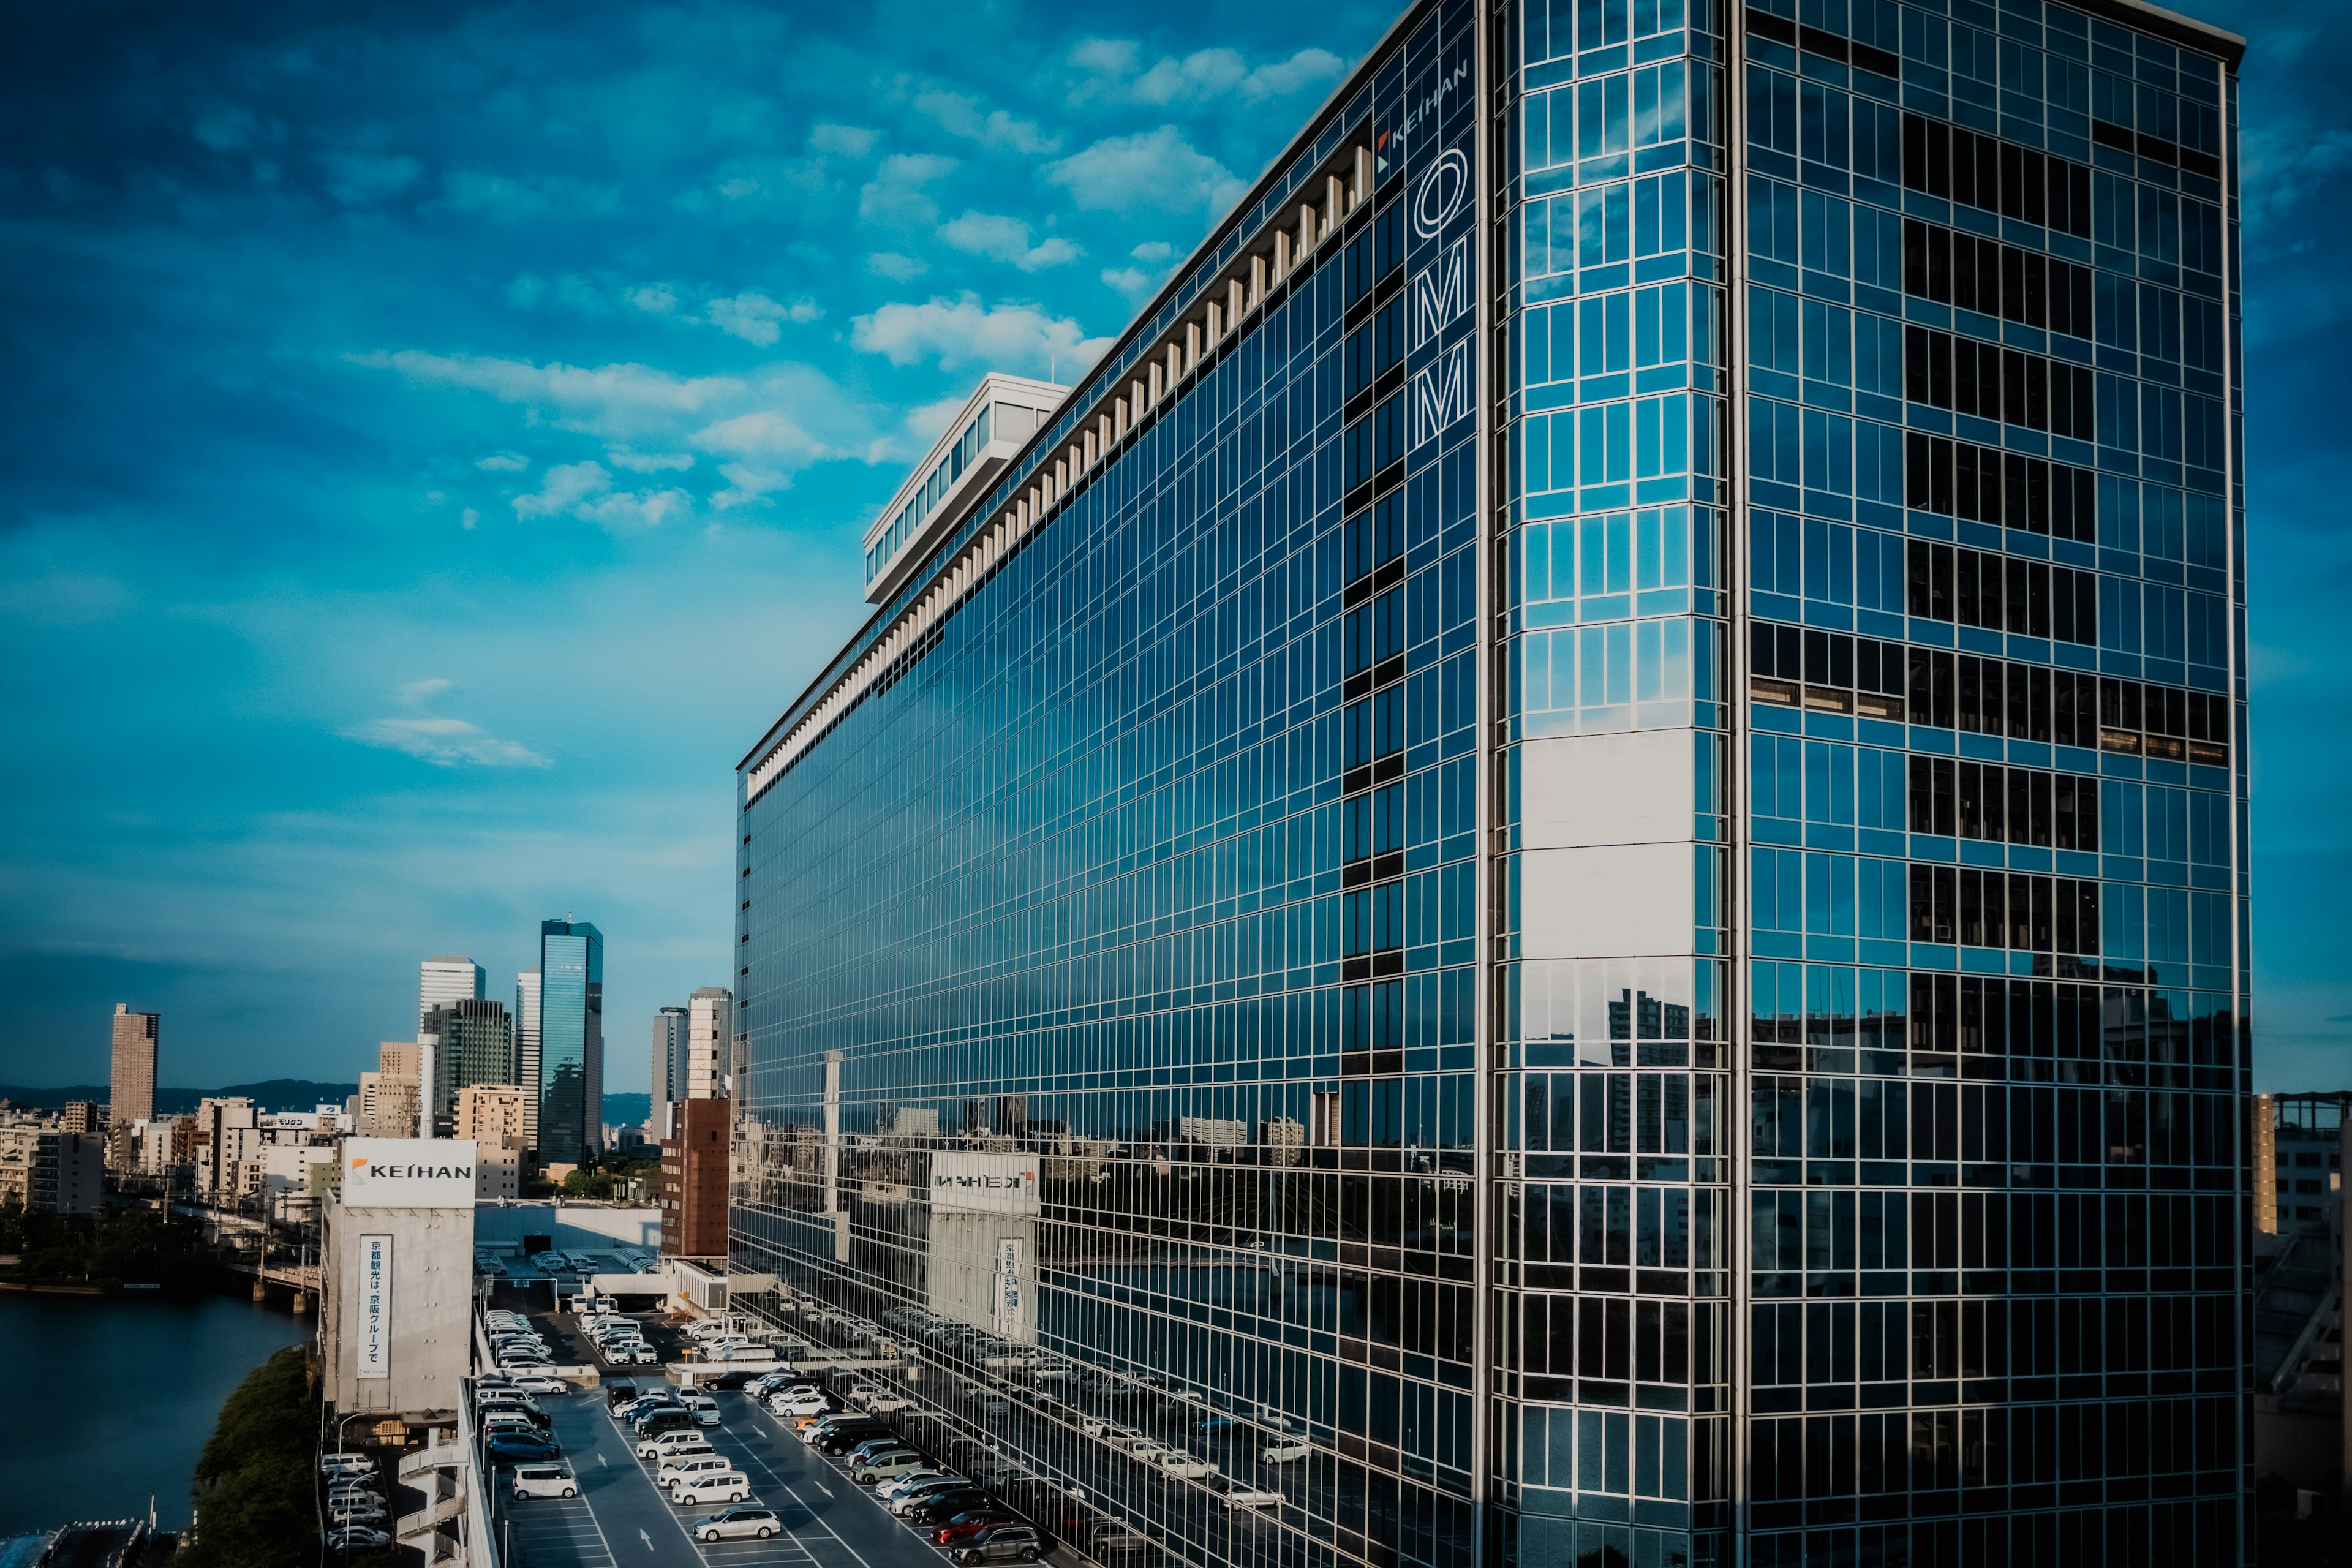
{"points": [[257, 1505]]}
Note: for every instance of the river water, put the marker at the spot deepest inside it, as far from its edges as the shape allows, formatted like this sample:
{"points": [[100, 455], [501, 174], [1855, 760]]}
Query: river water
{"points": [[111, 1399]]}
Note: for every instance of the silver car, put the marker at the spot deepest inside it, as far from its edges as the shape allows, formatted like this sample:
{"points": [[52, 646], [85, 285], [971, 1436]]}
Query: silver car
{"points": [[743, 1520]]}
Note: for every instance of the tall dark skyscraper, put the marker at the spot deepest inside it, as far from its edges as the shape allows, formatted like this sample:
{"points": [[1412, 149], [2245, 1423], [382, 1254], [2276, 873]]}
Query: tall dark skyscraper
{"points": [[570, 1041], [1574, 833]]}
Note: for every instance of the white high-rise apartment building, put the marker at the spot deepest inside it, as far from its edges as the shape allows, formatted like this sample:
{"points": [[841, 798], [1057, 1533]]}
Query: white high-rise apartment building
{"points": [[527, 1051], [710, 1027], [445, 979], [669, 1068]]}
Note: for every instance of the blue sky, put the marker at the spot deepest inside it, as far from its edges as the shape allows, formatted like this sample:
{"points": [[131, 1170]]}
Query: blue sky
{"points": [[438, 438]]}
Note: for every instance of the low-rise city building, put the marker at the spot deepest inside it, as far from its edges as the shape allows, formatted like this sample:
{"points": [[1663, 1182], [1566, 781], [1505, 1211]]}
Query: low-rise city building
{"points": [[47, 1166], [693, 1199]]}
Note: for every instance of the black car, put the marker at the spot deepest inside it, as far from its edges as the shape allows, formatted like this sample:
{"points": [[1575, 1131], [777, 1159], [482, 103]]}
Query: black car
{"points": [[847, 1434], [725, 1380], [943, 1506], [619, 1394], [668, 1418]]}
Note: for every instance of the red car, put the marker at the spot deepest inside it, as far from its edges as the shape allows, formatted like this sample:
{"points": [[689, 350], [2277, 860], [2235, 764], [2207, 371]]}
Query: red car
{"points": [[964, 1526]]}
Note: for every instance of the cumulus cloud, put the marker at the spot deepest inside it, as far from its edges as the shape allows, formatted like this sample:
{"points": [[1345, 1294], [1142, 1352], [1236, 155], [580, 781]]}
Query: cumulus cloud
{"points": [[960, 333], [446, 742], [585, 491], [1113, 70], [507, 199], [895, 197], [1003, 238], [621, 402], [834, 140], [961, 114], [361, 179], [649, 462], [897, 267], [503, 463], [1154, 173], [755, 318], [1151, 259], [748, 485]]}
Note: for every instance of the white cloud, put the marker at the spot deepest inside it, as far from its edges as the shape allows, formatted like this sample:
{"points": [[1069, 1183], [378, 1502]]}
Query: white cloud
{"points": [[585, 490], [564, 487], [358, 179], [1151, 257], [755, 318], [925, 421], [1003, 238], [416, 691], [620, 402], [748, 485], [654, 299], [834, 141], [508, 199], [895, 195], [649, 462], [503, 463], [897, 267], [961, 331], [959, 114], [1154, 173], [765, 433], [1112, 71], [446, 742]]}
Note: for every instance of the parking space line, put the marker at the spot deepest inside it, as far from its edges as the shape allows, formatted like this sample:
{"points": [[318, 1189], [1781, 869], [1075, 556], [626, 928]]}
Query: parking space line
{"points": [[770, 1472]]}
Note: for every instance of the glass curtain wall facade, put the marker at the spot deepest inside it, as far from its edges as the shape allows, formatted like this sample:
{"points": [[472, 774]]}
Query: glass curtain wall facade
{"points": [[570, 1041], [1573, 844]]}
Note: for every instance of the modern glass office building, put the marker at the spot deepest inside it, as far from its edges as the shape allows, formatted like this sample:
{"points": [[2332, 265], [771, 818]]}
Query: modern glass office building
{"points": [[1562, 875], [571, 1085]]}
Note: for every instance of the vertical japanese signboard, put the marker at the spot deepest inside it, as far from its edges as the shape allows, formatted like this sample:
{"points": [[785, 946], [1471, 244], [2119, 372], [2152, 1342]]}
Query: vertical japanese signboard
{"points": [[372, 1338]]}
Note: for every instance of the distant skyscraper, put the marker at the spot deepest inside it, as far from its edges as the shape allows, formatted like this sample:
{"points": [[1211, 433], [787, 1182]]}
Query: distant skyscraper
{"points": [[570, 1041], [138, 1036], [448, 977], [710, 1027], [526, 1014], [389, 1096], [476, 1046], [669, 1066]]}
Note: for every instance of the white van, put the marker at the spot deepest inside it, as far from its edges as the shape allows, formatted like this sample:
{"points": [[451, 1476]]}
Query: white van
{"points": [[544, 1481]]}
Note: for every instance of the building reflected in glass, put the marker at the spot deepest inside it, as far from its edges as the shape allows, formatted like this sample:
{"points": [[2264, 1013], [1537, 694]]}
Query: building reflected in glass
{"points": [[1559, 876]]}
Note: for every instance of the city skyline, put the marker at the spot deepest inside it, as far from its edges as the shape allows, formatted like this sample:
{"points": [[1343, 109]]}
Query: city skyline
{"points": [[381, 748]]}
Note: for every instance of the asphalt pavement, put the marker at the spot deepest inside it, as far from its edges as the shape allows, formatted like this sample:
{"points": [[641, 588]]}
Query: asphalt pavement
{"points": [[620, 1521]]}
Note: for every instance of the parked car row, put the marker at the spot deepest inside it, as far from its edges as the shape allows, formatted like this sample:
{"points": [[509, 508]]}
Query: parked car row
{"points": [[351, 1503], [515, 1344], [619, 1339], [954, 1511], [514, 1428]]}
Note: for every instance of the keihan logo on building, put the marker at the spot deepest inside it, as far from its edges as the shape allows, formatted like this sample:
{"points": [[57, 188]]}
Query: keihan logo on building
{"points": [[414, 1172]]}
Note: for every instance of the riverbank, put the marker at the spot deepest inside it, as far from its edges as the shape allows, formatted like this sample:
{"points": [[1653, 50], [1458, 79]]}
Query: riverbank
{"points": [[126, 1386]]}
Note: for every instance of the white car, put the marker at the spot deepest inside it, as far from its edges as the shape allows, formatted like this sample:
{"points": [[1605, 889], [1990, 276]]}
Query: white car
{"points": [[1184, 1465], [717, 1486], [757, 1522], [541, 1386], [1244, 1494], [739, 1352], [672, 1443], [544, 1481], [904, 1496], [799, 1404], [686, 1466], [352, 1464], [705, 1409], [887, 1464], [355, 1510], [1286, 1450], [357, 1538]]}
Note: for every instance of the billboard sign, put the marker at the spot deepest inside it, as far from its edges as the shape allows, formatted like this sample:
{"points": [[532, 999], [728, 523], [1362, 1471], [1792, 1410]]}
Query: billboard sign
{"points": [[408, 1173], [372, 1340], [1010, 1252], [987, 1183]]}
